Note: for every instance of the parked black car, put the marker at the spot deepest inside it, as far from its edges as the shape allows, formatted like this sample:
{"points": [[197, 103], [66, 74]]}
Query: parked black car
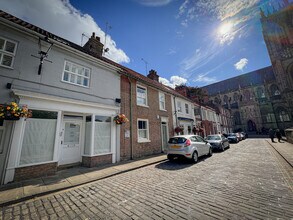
{"points": [[232, 138]]}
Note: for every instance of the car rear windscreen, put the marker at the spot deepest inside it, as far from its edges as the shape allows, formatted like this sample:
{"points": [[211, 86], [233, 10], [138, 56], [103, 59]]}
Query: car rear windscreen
{"points": [[177, 140]]}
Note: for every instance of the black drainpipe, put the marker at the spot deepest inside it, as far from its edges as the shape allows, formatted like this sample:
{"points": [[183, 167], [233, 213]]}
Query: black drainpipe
{"points": [[130, 120]]}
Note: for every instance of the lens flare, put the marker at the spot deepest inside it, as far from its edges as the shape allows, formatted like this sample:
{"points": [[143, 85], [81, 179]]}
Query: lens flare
{"points": [[225, 28]]}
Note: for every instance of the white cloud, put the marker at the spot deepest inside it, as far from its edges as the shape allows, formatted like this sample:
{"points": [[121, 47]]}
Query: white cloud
{"points": [[224, 9], [241, 64], [62, 19], [204, 79], [153, 3], [173, 82], [171, 51], [236, 12], [199, 58]]}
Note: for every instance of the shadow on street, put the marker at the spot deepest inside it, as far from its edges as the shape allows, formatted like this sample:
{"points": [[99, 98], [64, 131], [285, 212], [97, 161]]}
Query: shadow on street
{"points": [[178, 164]]}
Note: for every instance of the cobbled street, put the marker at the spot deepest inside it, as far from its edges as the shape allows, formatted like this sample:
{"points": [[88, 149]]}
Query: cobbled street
{"points": [[247, 181]]}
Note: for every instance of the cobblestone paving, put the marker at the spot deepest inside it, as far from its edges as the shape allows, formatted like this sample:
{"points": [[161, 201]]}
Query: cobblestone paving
{"points": [[243, 182]]}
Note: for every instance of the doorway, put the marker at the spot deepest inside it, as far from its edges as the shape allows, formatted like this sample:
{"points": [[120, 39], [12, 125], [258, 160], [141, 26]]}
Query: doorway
{"points": [[71, 142], [164, 129], [251, 126]]}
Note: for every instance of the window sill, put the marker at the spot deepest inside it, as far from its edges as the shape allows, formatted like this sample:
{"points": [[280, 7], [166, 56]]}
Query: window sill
{"points": [[146, 106], [164, 110], [143, 141], [87, 87], [6, 67]]}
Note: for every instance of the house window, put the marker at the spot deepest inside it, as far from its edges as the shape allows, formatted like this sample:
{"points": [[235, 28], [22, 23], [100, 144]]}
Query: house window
{"points": [[76, 74], [162, 101], [186, 108], [7, 52], [143, 130], [141, 96], [179, 108]]}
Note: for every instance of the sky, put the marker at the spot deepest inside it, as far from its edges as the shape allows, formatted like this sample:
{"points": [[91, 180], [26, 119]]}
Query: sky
{"points": [[192, 42]]}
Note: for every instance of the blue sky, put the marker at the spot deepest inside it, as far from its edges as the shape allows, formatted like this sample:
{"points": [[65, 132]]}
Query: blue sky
{"points": [[197, 42]]}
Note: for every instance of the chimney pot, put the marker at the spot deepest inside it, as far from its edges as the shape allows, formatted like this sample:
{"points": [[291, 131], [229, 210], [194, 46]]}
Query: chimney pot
{"points": [[94, 46], [153, 75]]}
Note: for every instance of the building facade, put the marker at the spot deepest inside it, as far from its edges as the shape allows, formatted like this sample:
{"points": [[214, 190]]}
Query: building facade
{"points": [[148, 106], [277, 26], [66, 87]]}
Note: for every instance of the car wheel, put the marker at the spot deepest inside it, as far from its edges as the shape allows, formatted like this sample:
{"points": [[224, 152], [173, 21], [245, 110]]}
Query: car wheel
{"points": [[170, 157], [210, 152], [222, 147], [194, 157]]}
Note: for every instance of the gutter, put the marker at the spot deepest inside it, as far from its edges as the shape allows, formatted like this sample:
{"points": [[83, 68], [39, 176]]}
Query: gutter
{"points": [[131, 129]]}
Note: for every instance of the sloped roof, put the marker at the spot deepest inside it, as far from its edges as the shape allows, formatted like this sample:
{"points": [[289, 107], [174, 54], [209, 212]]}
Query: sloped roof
{"points": [[257, 77], [124, 70]]}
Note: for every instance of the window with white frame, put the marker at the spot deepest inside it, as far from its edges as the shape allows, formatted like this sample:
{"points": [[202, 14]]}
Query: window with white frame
{"points": [[179, 107], [76, 74], [162, 101], [39, 138], [7, 52], [186, 108], [141, 96], [143, 130]]}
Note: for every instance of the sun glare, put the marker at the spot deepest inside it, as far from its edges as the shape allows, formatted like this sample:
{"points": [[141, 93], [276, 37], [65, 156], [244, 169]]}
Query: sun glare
{"points": [[225, 28]]}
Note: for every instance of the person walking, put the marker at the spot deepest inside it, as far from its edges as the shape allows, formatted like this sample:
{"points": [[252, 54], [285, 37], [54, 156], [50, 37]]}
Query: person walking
{"points": [[278, 135], [272, 134]]}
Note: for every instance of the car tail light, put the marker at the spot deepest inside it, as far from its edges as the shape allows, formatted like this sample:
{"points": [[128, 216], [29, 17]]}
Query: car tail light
{"points": [[187, 143]]}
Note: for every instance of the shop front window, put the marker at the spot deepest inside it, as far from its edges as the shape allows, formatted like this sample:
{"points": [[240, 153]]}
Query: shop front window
{"points": [[39, 138]]}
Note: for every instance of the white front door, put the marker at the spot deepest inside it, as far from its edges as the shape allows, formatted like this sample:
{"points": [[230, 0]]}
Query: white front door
{"points": [[71, 142], [164, 133]]}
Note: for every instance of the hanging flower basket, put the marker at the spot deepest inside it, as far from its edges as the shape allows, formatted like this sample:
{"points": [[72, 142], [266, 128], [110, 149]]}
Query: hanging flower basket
{"points": [[120, 119], [178, 130], [14, 112]]}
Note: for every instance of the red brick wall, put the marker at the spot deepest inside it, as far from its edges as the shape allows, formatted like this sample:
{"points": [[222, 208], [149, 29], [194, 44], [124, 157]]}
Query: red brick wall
{"points": [[208, 126], [150, 113], [96, 160], [23, 173]]}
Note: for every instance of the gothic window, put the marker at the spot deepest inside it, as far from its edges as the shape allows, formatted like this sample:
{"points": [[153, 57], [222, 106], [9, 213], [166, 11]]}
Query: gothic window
{"points": [[237, 119], [246, 95], [260, 92], [282, 114], [274, 90], [235, 97], [217, 100], [270, 117], [225, 99]]}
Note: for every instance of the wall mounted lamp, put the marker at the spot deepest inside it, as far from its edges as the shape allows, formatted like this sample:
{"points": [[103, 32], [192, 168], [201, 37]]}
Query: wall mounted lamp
{"points": [[45, 46]]}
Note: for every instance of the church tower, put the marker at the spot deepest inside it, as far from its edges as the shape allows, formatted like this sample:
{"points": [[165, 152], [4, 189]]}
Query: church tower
{"points": [[277, 28]]}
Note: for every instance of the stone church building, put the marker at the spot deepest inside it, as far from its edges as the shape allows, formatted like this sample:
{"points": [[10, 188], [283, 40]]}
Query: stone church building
{"points": [[263, 99]]}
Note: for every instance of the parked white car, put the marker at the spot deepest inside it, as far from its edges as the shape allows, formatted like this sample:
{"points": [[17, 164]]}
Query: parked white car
{"points": [[188, 146]]}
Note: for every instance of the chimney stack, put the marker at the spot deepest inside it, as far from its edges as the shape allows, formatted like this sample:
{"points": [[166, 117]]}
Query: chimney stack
{"points": [[94, 46], [153, 75]]}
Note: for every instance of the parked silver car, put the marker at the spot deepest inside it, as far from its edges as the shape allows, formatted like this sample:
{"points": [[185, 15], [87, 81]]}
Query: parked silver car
{"points": [[188, 146], [218, 141]]}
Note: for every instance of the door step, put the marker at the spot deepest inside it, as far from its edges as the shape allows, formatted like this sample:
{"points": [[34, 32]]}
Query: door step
{"points": [[68, 166]]}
